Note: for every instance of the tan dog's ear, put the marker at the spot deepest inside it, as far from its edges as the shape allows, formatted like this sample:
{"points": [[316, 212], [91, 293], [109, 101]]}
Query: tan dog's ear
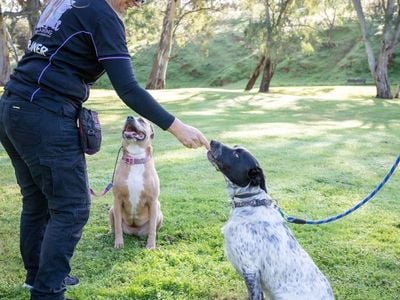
{"points": [[152, 132]]}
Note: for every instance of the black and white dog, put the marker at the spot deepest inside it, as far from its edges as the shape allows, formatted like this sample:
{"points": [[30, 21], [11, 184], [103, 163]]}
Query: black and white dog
{"points": [[257, 241]]}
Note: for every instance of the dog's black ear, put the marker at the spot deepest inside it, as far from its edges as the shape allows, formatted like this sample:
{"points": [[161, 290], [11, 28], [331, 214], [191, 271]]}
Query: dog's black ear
{"points": [[256, 176]]}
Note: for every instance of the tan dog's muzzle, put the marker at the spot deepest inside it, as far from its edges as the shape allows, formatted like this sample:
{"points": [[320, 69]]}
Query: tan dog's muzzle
{"points": [[135, 129]]}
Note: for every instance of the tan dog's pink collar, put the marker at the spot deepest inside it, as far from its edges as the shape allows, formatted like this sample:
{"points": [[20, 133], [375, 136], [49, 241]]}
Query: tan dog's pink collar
{"points": [[130, 160]]}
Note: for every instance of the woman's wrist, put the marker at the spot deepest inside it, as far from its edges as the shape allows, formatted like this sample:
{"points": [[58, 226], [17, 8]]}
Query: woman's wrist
{"points": [[174, 127]]}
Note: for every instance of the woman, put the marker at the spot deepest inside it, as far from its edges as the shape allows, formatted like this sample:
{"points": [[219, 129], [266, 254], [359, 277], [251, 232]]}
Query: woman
{"points": [[73, 44]]}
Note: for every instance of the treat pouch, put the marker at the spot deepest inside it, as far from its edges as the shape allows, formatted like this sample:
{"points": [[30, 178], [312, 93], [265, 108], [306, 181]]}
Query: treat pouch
{"points": [[89, 130]]}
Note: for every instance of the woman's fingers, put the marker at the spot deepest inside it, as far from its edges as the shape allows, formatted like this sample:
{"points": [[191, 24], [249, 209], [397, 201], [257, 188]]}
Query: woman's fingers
{"points": [[189, 136]]}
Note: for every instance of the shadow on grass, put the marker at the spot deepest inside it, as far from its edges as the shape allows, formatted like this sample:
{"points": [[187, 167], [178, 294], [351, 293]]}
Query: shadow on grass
{"points": [[321, 152]]}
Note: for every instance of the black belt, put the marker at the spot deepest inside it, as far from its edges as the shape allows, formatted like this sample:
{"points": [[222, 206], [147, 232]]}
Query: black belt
{"points": [[60, 107]]}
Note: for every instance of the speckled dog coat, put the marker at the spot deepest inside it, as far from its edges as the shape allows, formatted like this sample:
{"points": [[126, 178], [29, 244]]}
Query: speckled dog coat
{"points": [[257, 241], [264, 251]]}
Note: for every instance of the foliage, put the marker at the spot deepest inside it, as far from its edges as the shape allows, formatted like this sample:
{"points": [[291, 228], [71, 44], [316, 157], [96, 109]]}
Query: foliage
{"points": [[321, 148], [29, 9], [143, 25], [269, 28], [21, 34], [229, 60], [320, 44], [226, 60], [195, 19]]}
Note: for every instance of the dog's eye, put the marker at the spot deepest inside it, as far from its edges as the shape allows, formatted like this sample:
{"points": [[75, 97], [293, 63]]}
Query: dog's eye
{"points": [[235, 154]]}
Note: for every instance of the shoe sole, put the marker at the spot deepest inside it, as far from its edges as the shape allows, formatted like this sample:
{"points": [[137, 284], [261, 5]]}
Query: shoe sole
{"points": [[29, 287], [72, 286]]}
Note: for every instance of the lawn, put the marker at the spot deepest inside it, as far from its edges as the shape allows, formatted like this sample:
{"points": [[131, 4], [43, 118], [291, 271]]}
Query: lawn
{"points": [[322, 149]]}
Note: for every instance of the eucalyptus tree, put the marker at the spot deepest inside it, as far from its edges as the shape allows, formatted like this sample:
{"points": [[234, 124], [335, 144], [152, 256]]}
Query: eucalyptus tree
{"points": [[271, 31], [182, 19], [387, 13], [143, 25], [278, 28], [157, 77], [332, 13]]}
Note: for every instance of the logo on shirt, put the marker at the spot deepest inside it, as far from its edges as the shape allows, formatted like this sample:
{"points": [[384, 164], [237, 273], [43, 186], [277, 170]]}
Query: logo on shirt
{"points": [[37, 48], [49, 20]]}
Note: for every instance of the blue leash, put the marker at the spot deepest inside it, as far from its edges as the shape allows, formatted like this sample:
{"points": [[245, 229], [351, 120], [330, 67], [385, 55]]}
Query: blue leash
{"points": [[295, 220]]}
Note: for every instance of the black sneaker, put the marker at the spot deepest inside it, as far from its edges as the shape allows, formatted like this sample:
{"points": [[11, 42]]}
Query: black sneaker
{"points": [[71, 281]]}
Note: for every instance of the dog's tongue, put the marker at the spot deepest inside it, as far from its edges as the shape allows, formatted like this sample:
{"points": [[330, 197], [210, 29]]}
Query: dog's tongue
{"points": [[133, 134]]}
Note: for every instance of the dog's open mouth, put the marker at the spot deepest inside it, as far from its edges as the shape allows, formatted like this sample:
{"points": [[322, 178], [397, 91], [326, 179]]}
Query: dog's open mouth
{"points": [[132, 133]]}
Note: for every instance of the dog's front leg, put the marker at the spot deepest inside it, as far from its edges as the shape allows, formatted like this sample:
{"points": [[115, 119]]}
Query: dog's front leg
{"points": [[253, 284], [151, 239], [111, 220], [119, 240]]}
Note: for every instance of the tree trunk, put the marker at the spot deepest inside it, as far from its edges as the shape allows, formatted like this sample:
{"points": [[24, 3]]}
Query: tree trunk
{"points": [[381, 76], [390, 38], [267, 76], [4, 57], [255, 74], [157, 77], [12, 45], [397, 92], [365, 35]]}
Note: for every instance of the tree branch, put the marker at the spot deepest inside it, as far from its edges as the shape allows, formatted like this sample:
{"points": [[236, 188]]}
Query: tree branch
{"points": [[11, 14], [185, 14], [283, 11], [11, 43]]}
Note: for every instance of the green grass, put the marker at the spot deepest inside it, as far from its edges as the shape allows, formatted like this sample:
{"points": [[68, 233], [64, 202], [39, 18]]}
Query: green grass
{"points": [[322, 149]]}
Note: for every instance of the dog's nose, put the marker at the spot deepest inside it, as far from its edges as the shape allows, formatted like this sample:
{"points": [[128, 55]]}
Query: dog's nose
{"points": [[129, 118], [214, 143]]}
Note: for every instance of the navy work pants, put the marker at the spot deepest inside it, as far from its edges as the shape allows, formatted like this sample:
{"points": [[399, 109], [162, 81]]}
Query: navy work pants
{"points": [[42, 141]]}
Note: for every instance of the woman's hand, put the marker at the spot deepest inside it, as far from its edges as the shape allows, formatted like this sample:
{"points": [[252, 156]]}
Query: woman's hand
{"points": [[189, 136]]}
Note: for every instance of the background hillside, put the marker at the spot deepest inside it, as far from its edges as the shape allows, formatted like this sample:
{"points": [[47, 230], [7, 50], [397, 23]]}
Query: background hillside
{"points": [[228, 61]]}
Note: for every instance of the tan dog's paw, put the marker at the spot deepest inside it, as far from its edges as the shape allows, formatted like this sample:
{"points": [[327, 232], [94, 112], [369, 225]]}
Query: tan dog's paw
{"points": [[151, 246], [119, 243]]}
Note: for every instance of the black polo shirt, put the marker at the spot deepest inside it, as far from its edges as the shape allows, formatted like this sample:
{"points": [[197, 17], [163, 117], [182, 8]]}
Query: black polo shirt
{"points": [[73, 43]]}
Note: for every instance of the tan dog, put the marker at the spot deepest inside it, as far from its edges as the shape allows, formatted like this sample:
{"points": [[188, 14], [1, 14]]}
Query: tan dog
{"points": [[136, 210]]}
